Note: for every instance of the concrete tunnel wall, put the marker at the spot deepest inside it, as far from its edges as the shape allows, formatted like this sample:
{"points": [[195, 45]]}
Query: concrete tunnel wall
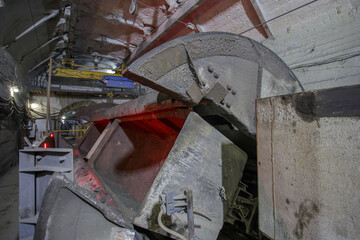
{"points": [[11, 131]]}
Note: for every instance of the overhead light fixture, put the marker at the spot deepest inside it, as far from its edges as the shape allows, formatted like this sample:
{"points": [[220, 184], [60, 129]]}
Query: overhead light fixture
{"points": [[13, 90], [63, 117], [34, 105], [67, 11], [190, 25], [110, 71], [133, 7]]}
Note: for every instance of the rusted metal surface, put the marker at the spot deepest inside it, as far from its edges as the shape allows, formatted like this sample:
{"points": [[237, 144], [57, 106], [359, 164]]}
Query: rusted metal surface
{"points": [[308, 158], [185, 9]]}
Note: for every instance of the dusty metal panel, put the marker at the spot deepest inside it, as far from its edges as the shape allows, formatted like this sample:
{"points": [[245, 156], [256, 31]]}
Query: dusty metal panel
{"points": [[36, 167], [308, 164], [72, 212], [205, 59], [204, 161], [91, 135], [265, 171]]}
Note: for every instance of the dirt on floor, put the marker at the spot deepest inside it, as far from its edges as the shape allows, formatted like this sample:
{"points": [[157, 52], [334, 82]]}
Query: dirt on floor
{"points": [[9, 202]]}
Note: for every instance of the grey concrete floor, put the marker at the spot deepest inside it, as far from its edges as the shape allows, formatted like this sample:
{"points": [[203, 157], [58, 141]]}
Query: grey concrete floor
{"points": [[9, 201]]}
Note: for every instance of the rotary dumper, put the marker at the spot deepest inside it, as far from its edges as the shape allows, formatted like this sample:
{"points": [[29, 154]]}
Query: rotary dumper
{"points": [[180, 161]]}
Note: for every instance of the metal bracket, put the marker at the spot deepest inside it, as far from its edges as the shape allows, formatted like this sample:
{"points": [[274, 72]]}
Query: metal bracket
{"points": [[173, 203], [243, 208]]}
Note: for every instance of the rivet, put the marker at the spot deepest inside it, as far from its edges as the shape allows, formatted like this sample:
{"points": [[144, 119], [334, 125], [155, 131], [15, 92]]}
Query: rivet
{"points": [[228, 87], [233, 92], [216, 75], [228, 104], [210, 68], [222, 102]]}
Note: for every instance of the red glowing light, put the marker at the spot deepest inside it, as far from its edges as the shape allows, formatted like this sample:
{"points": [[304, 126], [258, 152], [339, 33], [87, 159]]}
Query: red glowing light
{"points": [[51, 135], [45, 145]]}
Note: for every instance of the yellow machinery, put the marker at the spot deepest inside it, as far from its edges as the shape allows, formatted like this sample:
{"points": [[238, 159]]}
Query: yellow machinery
{"points": [[67, 69]]}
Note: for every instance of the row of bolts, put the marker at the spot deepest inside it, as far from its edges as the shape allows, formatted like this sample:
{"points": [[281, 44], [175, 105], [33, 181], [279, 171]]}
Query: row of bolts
{"points": [[216, 75]]}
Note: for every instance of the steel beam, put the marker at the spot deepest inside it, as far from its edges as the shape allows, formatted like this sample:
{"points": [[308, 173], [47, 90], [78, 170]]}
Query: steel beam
{"points": [[188, 7], [101, 141], [82, 89], [73, 17], [147, 104], [262, 18], [74, 73]]}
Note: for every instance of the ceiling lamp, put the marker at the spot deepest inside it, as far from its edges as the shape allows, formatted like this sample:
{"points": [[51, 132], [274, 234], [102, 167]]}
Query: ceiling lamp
{"points": [[34, 105], [133, 7], [13, 90]]}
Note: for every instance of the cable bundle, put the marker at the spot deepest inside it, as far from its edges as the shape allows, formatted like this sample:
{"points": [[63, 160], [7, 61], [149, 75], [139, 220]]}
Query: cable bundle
{"points": [[9, 108], [44, 114]]}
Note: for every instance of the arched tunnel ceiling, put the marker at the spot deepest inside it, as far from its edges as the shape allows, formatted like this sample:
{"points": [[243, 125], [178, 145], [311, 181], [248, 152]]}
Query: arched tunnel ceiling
{"points": [[30, 30], [104, 33]]}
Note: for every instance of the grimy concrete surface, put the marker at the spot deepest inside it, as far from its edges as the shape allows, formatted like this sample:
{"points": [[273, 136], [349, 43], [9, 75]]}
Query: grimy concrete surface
{"points": [[308, 165], [320, 43], [9, 211]]}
